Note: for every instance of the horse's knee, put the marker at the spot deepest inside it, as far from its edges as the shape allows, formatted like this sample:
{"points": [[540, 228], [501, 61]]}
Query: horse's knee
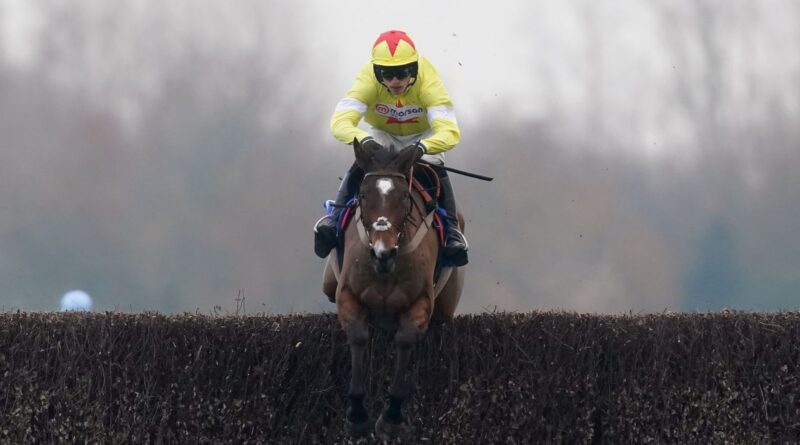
{"points": [[407, 335], [357, 333]]}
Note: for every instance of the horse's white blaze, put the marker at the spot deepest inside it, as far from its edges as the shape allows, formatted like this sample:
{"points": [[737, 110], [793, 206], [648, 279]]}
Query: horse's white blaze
{"points": [[382, 224], [385, 186]]}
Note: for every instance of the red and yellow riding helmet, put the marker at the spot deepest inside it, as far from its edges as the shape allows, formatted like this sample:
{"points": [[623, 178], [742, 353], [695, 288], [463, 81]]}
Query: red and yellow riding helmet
{"points": [[394, 48]]}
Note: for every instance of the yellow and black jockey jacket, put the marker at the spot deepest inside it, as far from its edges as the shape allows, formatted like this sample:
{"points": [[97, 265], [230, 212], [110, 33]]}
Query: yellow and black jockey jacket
{"points": [[425, 105]]}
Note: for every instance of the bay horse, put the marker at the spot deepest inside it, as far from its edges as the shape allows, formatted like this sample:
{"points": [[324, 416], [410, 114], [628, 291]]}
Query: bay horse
{"points": [[386, 280]]}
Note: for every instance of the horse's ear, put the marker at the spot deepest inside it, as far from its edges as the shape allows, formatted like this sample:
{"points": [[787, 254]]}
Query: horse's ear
{"points": [[363, 159], [405, 159]]}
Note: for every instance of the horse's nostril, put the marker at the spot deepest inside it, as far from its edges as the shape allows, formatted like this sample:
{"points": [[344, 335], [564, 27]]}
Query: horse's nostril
{"points": [[383, 255], [381, 251]]}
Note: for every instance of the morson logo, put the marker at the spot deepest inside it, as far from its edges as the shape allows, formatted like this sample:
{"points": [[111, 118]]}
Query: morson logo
{"points": [[399, 115]]}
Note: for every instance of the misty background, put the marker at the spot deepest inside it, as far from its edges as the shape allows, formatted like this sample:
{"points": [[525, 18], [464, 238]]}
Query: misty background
{"points": [[174, 156]]}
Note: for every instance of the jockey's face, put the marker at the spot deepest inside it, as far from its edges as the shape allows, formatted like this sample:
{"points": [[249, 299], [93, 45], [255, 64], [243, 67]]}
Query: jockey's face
{"points": [[397, 86], [396, 79]]}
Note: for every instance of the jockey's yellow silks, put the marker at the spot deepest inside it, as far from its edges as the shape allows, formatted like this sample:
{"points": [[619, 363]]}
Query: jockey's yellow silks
{"points": [[425, 105]]}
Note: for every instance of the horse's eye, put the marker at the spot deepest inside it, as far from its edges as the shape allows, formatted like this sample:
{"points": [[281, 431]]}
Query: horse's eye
{"points": [[362, 196]]}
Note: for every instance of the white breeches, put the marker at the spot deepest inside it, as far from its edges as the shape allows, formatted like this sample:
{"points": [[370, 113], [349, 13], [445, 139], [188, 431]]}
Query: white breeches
{"points": [[397, 143]]}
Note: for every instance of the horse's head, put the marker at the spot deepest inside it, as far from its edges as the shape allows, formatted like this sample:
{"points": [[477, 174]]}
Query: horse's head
{"points": [[385, 200]]}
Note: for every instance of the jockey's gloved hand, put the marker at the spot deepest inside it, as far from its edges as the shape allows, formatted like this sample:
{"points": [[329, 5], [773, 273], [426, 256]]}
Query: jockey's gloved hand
{"points": [[421, 150], [371, 145]]}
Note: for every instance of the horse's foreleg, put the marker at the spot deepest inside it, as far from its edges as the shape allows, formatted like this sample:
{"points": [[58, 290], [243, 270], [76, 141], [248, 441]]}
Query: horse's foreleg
{"points": [[352, 317], [412, 325]]}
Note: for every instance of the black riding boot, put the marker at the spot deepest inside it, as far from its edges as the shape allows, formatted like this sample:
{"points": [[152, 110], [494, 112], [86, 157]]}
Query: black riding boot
{"points": [[456, 247], [325, 233]]}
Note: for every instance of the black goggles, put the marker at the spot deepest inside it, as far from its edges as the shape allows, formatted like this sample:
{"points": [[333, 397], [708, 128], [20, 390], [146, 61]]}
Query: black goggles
{"points": [[391, 72]]}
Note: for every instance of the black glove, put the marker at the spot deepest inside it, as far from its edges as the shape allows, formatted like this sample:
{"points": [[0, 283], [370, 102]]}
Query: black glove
{"points": [[370, 145], [421, 150]]}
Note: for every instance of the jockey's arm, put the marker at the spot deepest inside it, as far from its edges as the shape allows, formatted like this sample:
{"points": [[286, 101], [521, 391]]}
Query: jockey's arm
{"points": [[344, 122], [350, 110], [445, 132]]}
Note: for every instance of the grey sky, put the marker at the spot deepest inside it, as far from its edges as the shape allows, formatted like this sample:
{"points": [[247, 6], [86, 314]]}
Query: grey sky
{"points": [[524, 60]]}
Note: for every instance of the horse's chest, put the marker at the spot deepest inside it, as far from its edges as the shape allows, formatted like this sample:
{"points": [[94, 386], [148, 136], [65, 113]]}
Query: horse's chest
{"points": [[385, 300]]}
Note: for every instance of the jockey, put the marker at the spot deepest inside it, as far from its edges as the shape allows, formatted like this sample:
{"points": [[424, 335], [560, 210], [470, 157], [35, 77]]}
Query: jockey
{"points": [[401, 96]]}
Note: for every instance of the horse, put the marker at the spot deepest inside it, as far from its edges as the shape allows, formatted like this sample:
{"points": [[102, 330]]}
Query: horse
{"points": [[386, 280]]}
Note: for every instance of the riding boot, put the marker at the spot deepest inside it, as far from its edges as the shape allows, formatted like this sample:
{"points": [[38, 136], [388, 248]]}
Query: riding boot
{"points": [[325, 231], [455, 248]]}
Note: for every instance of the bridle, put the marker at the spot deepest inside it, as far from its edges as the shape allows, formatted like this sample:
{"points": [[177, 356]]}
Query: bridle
{"points": [[365, 232], [426, 224]]}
